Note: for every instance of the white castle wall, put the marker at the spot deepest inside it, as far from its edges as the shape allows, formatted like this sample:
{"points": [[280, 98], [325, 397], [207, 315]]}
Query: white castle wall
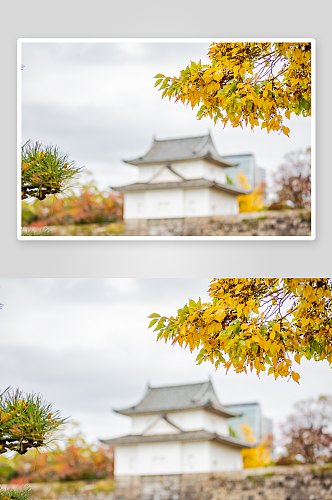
{"points": [[175, 458], [178, 203]]}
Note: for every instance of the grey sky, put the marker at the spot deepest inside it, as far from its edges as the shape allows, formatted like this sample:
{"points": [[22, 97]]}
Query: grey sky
{"points": [[84, 344], [98, 103]]}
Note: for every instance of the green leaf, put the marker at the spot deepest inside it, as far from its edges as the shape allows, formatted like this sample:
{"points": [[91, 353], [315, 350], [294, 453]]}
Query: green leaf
{"points": [[153, 322], [159, 76], [154, 315], [305, 104], [317, 347], [237, 328]]}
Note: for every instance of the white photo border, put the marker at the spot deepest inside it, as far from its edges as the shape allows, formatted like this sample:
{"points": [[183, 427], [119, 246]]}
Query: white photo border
{"points": [[22, 41]]}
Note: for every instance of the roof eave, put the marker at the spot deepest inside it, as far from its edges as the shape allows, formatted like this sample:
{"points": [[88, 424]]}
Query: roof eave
{"points": [[186, 184], [137, 162], [238, 443], [231, 189], [225, 413], [184, 436], [128, 412], [134, 162], [219, 160]]}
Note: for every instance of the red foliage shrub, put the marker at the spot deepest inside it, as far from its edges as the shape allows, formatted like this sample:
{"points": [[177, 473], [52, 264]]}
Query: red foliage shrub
{"points": [[74, 463], [91, 206]]}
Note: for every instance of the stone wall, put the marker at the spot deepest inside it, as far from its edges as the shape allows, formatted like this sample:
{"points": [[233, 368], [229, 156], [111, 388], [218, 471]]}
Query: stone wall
{"points": [[302, 482], [70, 490], [112, 229], [265, 223], [272, 483]]}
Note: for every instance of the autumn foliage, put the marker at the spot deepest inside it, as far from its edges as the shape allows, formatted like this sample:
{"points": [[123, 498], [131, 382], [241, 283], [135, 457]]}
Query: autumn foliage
{"points": [[307, 434], [292, 181], [251, 202], [90, 206], [74, 461], [255, 324], [260, 455], [247, 83]]}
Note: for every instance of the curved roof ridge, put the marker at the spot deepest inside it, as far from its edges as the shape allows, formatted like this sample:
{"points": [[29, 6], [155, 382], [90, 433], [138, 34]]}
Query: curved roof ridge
{"points": [[205, 387], [178, 398], [181, 149], [205, 140], [182, 138], [177, 385]]}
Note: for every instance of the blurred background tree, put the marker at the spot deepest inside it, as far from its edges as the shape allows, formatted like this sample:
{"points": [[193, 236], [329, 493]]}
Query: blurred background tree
{"points": [[260, 455], [86, 207], [292, 181], [251, 202], [290, 186], [307, 433], [72, 460]]}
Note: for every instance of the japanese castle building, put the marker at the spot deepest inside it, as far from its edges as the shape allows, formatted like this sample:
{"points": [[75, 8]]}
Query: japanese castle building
{"points": [[178, 430], [178, 179]]}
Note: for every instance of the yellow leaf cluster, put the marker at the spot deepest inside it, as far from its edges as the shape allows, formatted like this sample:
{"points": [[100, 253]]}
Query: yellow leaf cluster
{"points": [[256, 323], [254, 84], [251, 202], [260, 456]]}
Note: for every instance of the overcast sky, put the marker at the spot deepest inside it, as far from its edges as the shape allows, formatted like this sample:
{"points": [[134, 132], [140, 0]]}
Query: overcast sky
{"points": [[84, 344], [97, 102]]}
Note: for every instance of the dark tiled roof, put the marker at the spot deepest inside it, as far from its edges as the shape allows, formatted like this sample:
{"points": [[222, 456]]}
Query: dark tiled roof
{"points": [[179, 397], [255, 403], [185, 184], [187, 148], [184, 436]]}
